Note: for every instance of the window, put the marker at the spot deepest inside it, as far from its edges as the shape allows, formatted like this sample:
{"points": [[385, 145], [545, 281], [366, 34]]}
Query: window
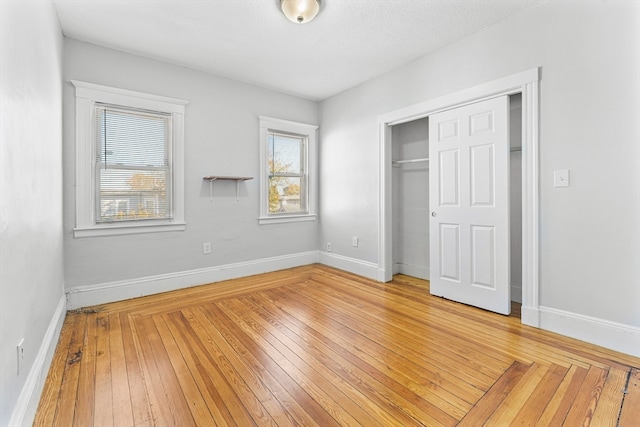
{"points": [[286, 173], [287, 170], [129, 162], [132, 165]]}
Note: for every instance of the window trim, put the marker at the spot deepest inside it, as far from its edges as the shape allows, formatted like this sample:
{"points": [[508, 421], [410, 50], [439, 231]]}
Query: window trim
{"points": [[87, 95], [288, 127]]}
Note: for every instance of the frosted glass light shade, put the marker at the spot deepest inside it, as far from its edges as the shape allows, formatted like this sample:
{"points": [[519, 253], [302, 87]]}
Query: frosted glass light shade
{"points": [[300, 11]]}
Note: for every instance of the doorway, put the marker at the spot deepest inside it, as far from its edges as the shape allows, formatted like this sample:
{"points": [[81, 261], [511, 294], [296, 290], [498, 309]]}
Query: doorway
{"points": [[526, 84]]}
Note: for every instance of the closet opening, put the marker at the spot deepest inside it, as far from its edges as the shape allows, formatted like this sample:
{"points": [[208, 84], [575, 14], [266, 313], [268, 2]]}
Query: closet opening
{"points": [[515, 193], [410, 197]]}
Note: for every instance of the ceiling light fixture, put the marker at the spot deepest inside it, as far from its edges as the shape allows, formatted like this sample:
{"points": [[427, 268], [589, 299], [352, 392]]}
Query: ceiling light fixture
{"points": [[300, 11]]}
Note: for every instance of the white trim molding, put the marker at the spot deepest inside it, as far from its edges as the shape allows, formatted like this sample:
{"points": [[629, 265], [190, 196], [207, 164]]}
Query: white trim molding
{"points": [[287, 218], [612, 335], [516, 293], [310, 169], [102, 293], [605, 333], [25, 410], [87, 95], [526, 83], [352, 265], [412, 270]]}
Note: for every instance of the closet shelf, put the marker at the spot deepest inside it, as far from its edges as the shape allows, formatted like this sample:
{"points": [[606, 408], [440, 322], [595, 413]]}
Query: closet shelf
{"points": [[237, 179]]}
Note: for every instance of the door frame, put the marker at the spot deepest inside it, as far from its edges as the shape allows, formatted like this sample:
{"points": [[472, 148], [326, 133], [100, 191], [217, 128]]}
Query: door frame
{"points": [[526, 83]]}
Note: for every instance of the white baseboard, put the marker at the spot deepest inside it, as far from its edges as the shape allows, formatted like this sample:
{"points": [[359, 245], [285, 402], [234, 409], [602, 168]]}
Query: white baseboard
{"points": [[25, 410], [352, 265], [616, 336], [530, 316], [612, 335], [381, 275], [516, 293], [412, 270], [102, 293]]}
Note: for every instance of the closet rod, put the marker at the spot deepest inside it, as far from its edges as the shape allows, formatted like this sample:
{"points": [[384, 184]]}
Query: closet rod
{"points": [[399, 162]]}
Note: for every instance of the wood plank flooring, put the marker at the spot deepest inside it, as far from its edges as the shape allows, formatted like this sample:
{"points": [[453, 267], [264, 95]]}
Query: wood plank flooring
{"points": [[315, 346]]}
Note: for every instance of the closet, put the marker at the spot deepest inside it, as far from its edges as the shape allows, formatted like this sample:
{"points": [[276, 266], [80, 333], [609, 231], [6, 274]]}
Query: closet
{"points": [[515, 192], [410, 197]]}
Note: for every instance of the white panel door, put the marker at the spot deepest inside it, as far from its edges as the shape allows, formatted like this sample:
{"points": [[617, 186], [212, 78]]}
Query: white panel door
{"points": [[469, 203]]}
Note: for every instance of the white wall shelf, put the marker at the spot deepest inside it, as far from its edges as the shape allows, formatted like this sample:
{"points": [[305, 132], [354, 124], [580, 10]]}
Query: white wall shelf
{"points": [[237, 179]]}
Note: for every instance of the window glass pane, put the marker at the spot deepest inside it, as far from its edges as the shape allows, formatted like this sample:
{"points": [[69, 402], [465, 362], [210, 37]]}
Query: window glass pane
{"points": [[127, 194], [285, 154], [270, 161], [286, 195]]}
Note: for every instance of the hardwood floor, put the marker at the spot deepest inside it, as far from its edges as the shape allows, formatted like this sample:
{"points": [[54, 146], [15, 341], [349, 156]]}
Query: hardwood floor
{"points": [[320, 347]]}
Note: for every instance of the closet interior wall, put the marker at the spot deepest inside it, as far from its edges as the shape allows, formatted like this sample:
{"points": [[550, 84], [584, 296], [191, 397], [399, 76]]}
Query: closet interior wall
{"points": [[515, 176], [410, 198]]}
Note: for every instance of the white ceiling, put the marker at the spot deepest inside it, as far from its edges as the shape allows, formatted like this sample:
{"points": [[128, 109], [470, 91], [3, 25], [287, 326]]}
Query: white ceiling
{"points": [[349, 42]]}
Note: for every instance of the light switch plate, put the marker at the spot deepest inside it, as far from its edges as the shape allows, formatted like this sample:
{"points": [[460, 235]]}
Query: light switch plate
{"points": [[561, 178]]}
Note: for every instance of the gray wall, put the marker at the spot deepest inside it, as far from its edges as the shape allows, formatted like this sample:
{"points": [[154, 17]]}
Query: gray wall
{"points": [[31, 265], [221, 138], [589, 233]]}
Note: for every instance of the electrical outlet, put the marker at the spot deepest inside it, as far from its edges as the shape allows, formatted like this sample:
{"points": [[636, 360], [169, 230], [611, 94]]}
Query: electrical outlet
{"points": [[206, 248], [354, 241], [20, 354], [328, 246]]}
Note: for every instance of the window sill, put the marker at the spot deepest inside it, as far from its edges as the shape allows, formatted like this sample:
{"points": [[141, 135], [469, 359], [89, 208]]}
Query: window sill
{"points": [[121, 230], [286, 218]]}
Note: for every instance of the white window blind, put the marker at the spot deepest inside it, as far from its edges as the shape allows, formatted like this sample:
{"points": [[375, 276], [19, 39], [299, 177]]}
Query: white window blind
{"points": [[133, 173]]}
